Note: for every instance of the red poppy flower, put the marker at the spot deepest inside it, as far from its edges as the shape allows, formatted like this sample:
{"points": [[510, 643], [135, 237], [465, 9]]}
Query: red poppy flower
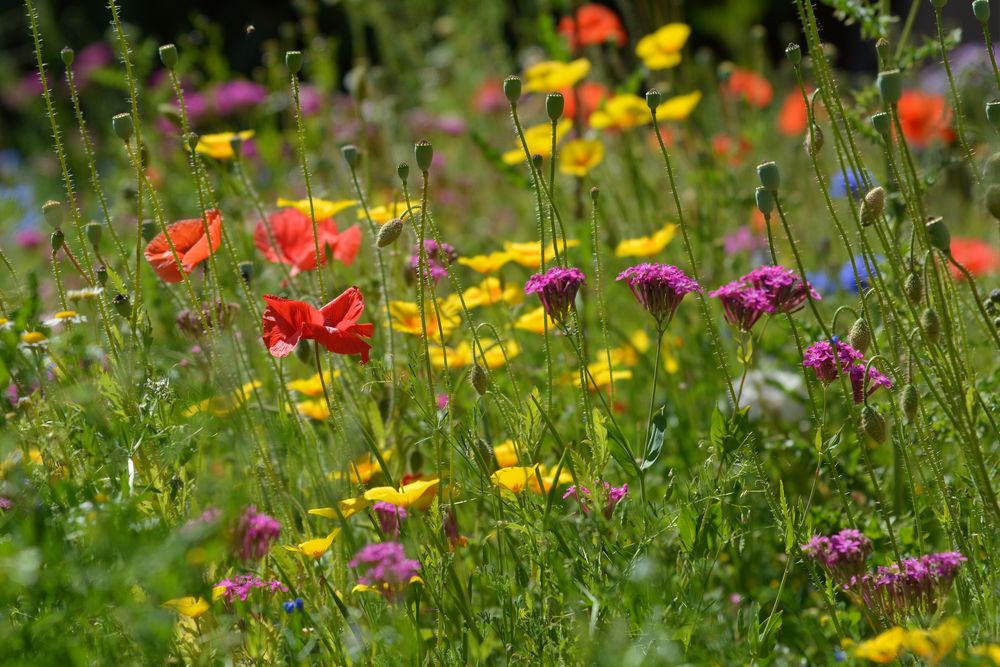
{"points": [[750, 86], [793, 117], [489, 97], [190, 242], [980, 258], [334, 326], [731, 150], [591, 95], [594, 24], [925, 117], [293, 241]]}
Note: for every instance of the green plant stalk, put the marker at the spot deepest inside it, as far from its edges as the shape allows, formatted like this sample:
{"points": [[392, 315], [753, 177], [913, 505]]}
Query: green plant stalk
{"points": [[957, 101], [301, 135], [989, 49], [552, 197], [601, 309]]}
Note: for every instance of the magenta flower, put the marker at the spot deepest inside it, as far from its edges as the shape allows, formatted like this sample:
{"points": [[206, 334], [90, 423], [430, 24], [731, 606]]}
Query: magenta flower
{"points": [[614, 496], [255, 532], [439, 257], [819, 357], [387, 567], [915, 587], [659, 288], [556, 289], [243, 585], [876, 379], [234, 96], [783, 287], [5, 503], [742, 304], [389, 516], [843, 554]]}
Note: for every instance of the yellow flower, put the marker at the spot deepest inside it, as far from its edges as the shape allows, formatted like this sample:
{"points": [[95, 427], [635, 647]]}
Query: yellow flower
{"points": [[312, 386], [539, 140], [323, 208], [621, 112], [579, 156], [348, 508], [662, 49], [8, 464], [383, 214], [533, 321], [406, 318], [220, 406], [314, 409], [529, 254], [991, 651], [489, 292], [485, 263], [646, 246], [552, 76], [362, 469], [314, 548], [884, 648], [514, 478], [64, 317], [418, 494], [219, 145], [679, 107], [600, 375], [365, 588], [189, 606], [33, 338], [506, 454], [461, 355], [934, 645]]}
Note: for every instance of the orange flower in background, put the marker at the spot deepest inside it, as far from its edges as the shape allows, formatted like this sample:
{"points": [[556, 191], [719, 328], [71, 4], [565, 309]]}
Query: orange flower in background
{"points": [[590, 94], [749, 86], [979, 257], [730, 150], [594, 24], [190, 242], [287, 238], [793, 119], [334, 326], [925, 117]]}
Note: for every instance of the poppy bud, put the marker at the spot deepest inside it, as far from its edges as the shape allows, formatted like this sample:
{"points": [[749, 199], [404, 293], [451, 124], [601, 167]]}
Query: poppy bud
{"points": [[554, 104], [993, 201], [914, 288], [653, 98], [389, 232], [122, 305], [67, 54], [873, 424], [192, 141], [512, 89], [148, 230], [931, 324], [981, 8], [403, 171], [423, 152], [993, 113], [883, 51], [351, 155], [304, 352], [769, 175], [246, 272], [882, 123], [52, 211], [765, 201], [595, 193], [293, 61], [860, 335], [57, 239], [480, 381], [122, 124], [536, 160], [487, 454], [168, 56], [102, 275], [794, 53], [94, 230], [938, 234], [939, 4], [872, 205], [814, 140], [909, 401], [991, 171], [890, 86]]}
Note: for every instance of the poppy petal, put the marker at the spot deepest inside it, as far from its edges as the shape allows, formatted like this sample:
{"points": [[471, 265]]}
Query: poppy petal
{"points": [[285, 323], [337, 341], [345, 309], [199, 251], [347, 245]]}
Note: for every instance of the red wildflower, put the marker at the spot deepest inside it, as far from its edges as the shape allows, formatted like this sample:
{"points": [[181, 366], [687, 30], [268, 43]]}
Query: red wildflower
{"points": [[728, 149], [979, 257], [293, 241], [793, 117], [334, 326], [489, 97], [591, 95], [750, 86], [925, 117], [190, 242], [594, 24]]}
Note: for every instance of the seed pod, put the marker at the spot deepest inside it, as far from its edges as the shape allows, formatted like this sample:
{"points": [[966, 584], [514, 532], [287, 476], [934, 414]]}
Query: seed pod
{"points": [[351, 155], [860, 335], [939, 4], [389, 232], [794, 53], [122, 305], [993, 113], [57, 239], [909, 401], [67, 54], [813, 143], [769, 175], [52, 211], [168, 56], [479, 379], [890, 86], [991, 170], [102, 275], [94, 230], [653, 98], [995, 297], [765, 200], [122, 124], [293, 61], [981, 9], [993, 201], [873, 424], [884, 51], [192, 141], [423, 151], [403, 171], [554, 104], [914, 288], [594, 194], [512, 89], [246, 272], [882, 123], [931, 324], [938, 235], [872, 206]]}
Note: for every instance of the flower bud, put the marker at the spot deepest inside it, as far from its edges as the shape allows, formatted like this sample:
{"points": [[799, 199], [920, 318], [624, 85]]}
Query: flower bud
{"points": [[981, 8], [168, 56], [939, 4], [884, 51], [67, 54], [148, 230], [769, 175], [192, 141], [554, 104], [993, 201], [57, 239], [860, 335], [991, 170], [94, 230], [794, 53], [52, 211], [389, 232], [423, 152], [653, 98], [293, 61], [872, 205], [122, 305], [351, 155], [102, 275], [122, 123], [873, 425], [993, 113], [765, 201], [536, 160], [931, 324], [813, 143], [882, 123], [938, 234], [480, 381], [403, 171], [246, 272], [595, 193], [909, 401], [512, 89], [890, 86], [913, 287]]}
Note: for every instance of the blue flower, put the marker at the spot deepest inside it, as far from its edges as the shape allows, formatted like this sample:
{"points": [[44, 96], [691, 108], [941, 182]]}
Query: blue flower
{"points": [[299, 604], [846, 274], [821, 282], [841, 181], [289, 606]]}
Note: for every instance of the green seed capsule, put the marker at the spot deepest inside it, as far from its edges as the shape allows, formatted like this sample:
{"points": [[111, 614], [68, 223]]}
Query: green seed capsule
{"points": [[993, 113], [67, 54], [554, 104], [168, 56], [57, 239], [872, 205], [122, 124], [765, 200], [860, 335], [479, 379], [293, 61], [882, 123], [939, 4], [389, 232], [304, 352], [913, 287], [595, 193], [423, 152], [94, 230], [512, 89], [873, 425], [122, 305], [890, 86], [794, 53], [931, 324], [769, 175], [403, 171], [981, 9], [993, 201], [938, 235], [653, 98], [52, 212], [909, 401], [102, 275], [351, 155], [148, 230]]}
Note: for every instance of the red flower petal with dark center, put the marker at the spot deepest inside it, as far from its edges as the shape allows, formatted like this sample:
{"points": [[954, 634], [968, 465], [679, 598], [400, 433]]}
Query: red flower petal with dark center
{"points": [[190, 242], [285, 323], [334, 326], [287, 238]]}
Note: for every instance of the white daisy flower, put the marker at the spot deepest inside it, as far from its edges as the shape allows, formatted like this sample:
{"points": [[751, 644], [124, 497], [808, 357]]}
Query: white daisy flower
{"points": [[64, 317]]}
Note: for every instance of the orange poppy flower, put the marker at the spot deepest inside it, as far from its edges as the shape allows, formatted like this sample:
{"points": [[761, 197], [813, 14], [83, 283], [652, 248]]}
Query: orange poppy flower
{"points": [[749, 86], [293, 241], [190, 242], [334, 326], [793, 117], [925, 117], [594, 24], [730, 150], [979, 257], [591, 96]]}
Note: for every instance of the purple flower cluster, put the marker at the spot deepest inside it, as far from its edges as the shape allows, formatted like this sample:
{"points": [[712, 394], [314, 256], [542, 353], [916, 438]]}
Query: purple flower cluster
{"points": [[438, 259], [784, 289], [389, 516], [614, 496], [255, 532], [820, 357], [5, 503], [388, 568], [241, 586], [209, 516], [915, 587], [556, 288], [234, 96], [659, 288], [742, 304], [843, 554]]}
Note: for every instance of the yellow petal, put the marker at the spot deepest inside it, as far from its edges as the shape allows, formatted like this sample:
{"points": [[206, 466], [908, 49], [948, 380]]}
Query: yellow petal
{"points": [[514, 478], [323, 208], [189, 606], [578, 157], [315, 548], [312, 386], [486, 263], [679, 107], [348, 508], [646, 246], [219, 145], [533, 321], [553, 76], [415, 494]]}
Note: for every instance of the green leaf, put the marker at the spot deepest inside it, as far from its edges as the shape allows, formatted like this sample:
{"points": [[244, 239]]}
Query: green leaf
{"points": [[686, 529], [658, 428]]}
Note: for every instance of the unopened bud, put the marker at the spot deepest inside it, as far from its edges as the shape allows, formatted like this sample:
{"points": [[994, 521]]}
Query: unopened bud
{"points": [[246, 271], [148, 230], [873, 424], [192, 141], [52, 212], [981, 8], [168, 56], [872, 205], [765, 201], [57, 239], [554, 104], [653, 98], [403, 171], [94, 230], [595, 193], [293, 61], [480, 381], [122, 305], [351, 155], [389, 232], [423, 152], [931, 324], [67, 54], [860, 335], [794, 53], [890, 86], [122, 124], [102, 275], [512, 89], [769, 175], [909, 401], [882, 123], [814, 141], [913, 287], [993, 113], [938, 235]]}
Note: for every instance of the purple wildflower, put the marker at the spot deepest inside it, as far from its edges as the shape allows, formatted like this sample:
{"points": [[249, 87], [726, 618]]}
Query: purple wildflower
{"points": [[234, 96], [819, 357], [255, 533], [659, 288], [916, 587], [242, 585], [5, 503], [783, 287], [614, 496], [439, 257], [388, 568], [450, 525], [843, 554], [209, 516], [742, 304], [876, 379], [389, 516], [556, 288]]}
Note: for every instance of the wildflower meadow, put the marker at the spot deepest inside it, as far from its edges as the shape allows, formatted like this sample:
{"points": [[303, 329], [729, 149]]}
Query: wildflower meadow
{"points": [[500, 333]]}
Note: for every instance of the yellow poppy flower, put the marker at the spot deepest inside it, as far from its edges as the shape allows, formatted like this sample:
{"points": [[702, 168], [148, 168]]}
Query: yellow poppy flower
{"points": [[529, 254], [933, 645], [662, 49], [461, 356], [884, 648], [600, 375], [485, 263], [679, 107], [579, 156], [323, 208], [406, 318], [539, 140], [514, 478], [220, 406], [418, 494], [383, 214], [552, 76], [549, 479], [621, 112], [489, 292], [362, 469], [348, 508], [647, 246], [991, 651], [314, 409], [533, 321], [312, 386], [365, 588], [189, 606], [314, 548], [219, 146], [506, 454]]}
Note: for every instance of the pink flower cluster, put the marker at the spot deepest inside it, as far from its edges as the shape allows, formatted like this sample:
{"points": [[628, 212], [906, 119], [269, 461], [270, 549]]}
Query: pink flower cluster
{"points": [[614, 496], [241, 586], [387, 567], [659, 288], [389, 516], [914, 588], [820, 357], [765, 290], [438, 259], [255, 532], [843, 554], [556, 288]]}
